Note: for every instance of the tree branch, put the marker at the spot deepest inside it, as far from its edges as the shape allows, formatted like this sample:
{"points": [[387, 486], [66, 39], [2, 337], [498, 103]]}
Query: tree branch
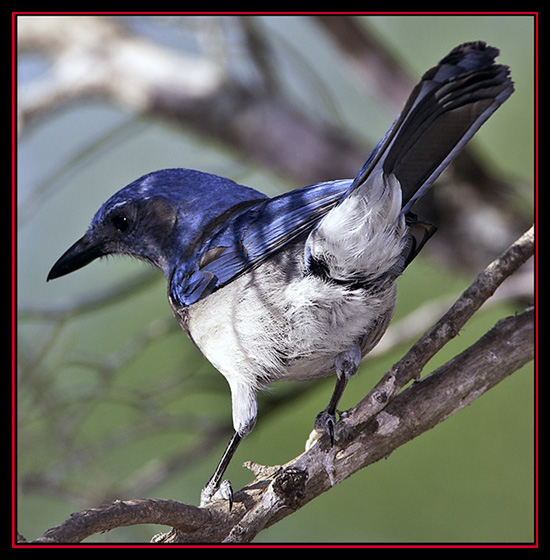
{"points": [[122, 513], [385, 419]]}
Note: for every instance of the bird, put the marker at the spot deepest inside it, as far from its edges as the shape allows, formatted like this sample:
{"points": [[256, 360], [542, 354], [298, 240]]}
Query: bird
{"points": [[302, 285]]}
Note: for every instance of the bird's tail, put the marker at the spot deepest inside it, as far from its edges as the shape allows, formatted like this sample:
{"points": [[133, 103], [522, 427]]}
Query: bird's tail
{"points": [[443, 112], [371, 232]]}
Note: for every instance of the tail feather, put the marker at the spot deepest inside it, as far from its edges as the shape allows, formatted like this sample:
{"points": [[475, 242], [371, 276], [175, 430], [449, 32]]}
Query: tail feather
{"points": [[443, 112]]}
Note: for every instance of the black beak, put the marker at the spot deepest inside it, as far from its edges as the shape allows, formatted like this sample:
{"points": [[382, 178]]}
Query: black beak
{"points": [[83, 252]]}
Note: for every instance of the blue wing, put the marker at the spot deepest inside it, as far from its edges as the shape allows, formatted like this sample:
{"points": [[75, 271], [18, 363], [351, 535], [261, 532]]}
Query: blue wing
{"points": [[250, 237], [443, 112]]}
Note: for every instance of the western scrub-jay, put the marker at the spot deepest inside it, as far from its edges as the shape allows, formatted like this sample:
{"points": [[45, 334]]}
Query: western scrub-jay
{"points": [[302, 285]]}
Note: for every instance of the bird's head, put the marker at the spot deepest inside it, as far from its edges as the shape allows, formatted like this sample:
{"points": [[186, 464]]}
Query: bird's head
{"points": [[157, 218]]}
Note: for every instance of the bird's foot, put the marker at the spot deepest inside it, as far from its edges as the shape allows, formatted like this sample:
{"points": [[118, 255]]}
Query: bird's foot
{"points": [[222, 491], [325, 423]]}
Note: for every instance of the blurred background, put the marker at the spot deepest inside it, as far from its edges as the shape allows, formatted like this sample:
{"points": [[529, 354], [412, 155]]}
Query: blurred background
{"points": [[113, 399]]}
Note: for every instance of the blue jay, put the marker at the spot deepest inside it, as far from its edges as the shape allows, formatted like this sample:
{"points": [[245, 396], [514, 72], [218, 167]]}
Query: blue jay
{"points": [[302, 285]]}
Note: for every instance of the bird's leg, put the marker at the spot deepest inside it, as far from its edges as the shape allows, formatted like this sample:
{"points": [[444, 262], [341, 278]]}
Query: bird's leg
{"points": [[244, 412], [215, 488], [346, 364], [326, 419]]}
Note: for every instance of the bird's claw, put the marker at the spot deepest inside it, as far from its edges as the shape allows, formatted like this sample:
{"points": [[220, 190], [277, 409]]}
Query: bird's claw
{"points": [[325, 423], [211, 492]]}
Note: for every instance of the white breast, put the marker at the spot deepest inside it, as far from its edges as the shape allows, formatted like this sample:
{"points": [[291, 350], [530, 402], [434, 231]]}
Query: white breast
{"points": [[278, 323]]}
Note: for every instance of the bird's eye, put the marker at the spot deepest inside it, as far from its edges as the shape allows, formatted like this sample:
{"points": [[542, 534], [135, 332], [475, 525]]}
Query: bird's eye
{"points": [[120, 222]]}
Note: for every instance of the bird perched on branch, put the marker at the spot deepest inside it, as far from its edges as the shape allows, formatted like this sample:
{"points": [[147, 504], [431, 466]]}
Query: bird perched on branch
{"points": [[302, 285]]}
